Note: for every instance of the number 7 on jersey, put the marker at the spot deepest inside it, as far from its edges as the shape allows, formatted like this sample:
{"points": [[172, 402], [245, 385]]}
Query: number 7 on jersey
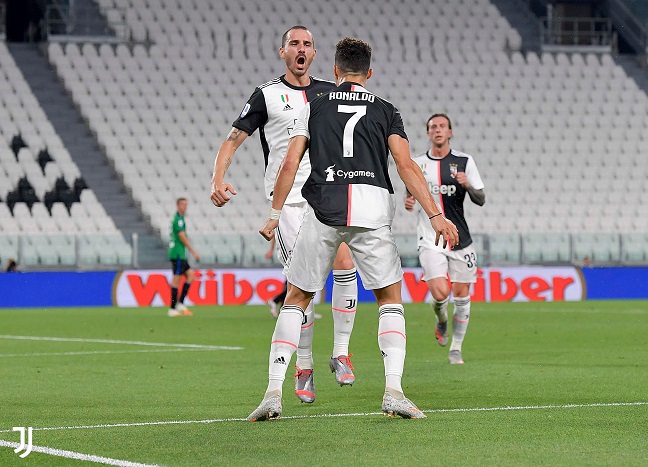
{"points": [[358, 112]]}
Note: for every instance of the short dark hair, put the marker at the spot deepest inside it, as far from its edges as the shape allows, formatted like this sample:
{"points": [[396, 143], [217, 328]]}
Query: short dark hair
{"points": [[438, 115], [180, 199], [353, 55], [284, 38]]}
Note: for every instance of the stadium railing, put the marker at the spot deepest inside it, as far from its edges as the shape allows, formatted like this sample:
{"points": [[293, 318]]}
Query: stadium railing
{"points": [[113, 251]]}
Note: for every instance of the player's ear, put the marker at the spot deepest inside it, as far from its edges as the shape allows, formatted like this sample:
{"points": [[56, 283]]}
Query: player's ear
{"points": [[336, 73], [281, 52], [369, 73]]}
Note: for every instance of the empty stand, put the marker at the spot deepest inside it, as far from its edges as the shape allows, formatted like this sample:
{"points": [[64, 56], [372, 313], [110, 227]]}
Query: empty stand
{"points": [[557, 137]]}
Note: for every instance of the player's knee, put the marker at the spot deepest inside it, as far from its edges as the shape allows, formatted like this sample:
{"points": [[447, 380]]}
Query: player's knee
{"points": [[343, 259], [343, 264], [439, 288]]}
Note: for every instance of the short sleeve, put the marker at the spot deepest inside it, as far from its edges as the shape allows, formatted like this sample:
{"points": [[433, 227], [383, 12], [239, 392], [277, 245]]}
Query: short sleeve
{"points": [[254, 113], [179, 225], [397, 126], [473, 175]]}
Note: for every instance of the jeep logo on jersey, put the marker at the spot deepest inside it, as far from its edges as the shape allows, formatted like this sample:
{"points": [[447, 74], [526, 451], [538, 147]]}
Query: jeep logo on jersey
{"points": [[245, 110], [442, 189], [329, 173]]}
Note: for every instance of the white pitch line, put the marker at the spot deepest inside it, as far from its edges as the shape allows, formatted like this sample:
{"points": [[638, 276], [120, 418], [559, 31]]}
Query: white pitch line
{"points": [[77, 455], [333, 415], [112, 341], [590, 311], [97, 352]]}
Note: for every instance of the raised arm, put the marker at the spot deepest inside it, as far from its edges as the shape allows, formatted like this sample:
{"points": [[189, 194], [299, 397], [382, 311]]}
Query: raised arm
{"points": [[222, 162], [416, 185]]}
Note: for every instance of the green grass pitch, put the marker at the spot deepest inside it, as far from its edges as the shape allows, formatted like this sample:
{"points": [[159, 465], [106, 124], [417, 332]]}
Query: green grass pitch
{"points": [[543, 384]]}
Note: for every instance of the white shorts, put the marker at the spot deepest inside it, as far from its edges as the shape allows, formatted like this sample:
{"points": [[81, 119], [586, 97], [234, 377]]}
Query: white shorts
{"points": [[374, 254], [286, 233], [460, 264]]}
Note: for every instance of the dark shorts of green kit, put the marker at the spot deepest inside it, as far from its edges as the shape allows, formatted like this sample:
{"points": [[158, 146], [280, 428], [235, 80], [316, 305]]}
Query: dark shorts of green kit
{"points": [[179, 266]]}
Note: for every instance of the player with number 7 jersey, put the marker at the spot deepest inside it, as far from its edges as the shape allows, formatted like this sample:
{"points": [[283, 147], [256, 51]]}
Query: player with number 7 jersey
{"points": [[351, 185], [349, 133]]}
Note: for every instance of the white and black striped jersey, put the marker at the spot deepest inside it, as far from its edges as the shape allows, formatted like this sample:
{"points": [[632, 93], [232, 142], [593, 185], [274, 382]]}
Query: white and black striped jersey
{"points": [[273, 108], [349, 182], [447, 192]]}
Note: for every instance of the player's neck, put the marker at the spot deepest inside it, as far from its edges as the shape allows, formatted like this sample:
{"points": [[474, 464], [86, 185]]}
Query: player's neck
{"points": [[353, 78], [440, 152], [299, 81]]}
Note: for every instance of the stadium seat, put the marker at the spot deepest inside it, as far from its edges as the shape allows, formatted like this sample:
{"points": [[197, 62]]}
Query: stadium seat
{"points": [[170, 97]]}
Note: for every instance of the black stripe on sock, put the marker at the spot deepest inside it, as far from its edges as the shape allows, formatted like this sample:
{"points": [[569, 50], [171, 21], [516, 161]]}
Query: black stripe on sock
{"points": [[393, 310], [344, 277], [292, 308]]}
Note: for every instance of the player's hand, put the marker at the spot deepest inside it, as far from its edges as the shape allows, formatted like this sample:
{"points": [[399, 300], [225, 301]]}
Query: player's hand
{"points": [[268, 230], [444, 227], [196, 257], [462, 179], [409, 203], [219, 194]]}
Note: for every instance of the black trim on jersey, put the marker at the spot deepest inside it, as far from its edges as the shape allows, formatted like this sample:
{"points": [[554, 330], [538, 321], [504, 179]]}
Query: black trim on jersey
{"points": [[313, 90], [453, 205], [272, 81]]}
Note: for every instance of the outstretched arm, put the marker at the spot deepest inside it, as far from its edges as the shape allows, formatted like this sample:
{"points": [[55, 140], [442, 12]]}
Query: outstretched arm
{"points": [[415, 183], [222, 162]]}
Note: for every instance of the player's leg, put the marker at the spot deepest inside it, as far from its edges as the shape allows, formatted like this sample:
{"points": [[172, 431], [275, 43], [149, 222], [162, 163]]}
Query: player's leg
{"points": [[435, 274], [463, 272], [304, 374], [276, 302], [310, 263], [189, 278], [176, 270], [344, 301], [286, 235], [284, 343], [378, 263]]}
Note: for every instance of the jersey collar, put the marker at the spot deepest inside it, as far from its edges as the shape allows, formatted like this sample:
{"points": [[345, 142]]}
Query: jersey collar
{"points": [[298, 88], [430, 156]]}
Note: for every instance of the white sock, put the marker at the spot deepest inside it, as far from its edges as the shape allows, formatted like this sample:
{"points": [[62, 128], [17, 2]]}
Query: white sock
{"points": [[305, 349], [391, 340], [283, 345], [460, 321], [343, 304], [441, 309]]}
